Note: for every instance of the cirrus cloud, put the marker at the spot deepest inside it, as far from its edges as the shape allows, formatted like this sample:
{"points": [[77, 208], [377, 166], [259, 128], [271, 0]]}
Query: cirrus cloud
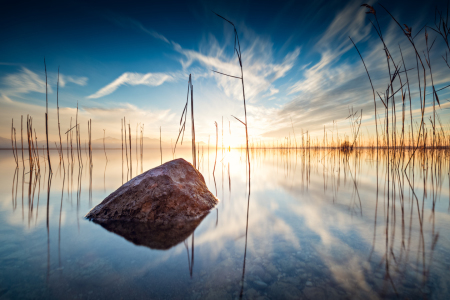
{"points": [[129, 78], [64, 79], [25, 81]]}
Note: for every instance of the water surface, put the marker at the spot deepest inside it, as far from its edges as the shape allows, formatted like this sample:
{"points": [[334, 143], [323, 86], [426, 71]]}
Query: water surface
{"points": [[316, 225]]}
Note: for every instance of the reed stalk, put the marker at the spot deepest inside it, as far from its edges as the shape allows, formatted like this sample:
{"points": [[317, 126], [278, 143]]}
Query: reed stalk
{"points": [[12, 141], [183, 122], [121, 137], [131, 161], [37, 152], [160, 147], [126, 147], [408, 34], [104, 147], [15, 146], [192, 122], [217, 142], [222, 136], [59, 125], [46, 119], [21, 139], [76, 137], [90, 141], [30, 160], [435, 96], [142, 148], [137, 157], [70, 134], [409, 95], [237, 50], [373, 90]]}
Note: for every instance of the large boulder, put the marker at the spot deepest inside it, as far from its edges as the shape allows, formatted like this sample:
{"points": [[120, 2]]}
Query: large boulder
{"points": [[171, 193]]}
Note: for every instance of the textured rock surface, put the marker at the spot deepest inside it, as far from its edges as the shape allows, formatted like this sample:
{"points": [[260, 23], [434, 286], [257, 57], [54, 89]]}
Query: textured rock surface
{"points": [[172, 192]]}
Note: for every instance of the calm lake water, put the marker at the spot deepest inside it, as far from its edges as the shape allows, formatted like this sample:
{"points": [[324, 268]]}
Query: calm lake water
{"points": [[317, 225]]}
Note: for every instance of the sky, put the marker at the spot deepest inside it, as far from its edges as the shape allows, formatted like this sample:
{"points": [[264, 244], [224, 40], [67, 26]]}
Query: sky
{"points": [[133, 60]]}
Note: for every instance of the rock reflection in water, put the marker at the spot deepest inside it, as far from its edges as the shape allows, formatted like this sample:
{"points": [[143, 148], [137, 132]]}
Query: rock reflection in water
{"points": [[153, 235]]}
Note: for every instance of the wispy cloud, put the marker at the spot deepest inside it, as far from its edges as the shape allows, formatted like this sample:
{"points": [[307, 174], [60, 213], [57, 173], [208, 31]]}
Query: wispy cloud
{"points": [[63, 79], [338, 79], [151, 32], [25, 81], [134, 24], [351, 21], [6, 99], [109, 115], [260, 67], [334, 83], [328, 86], [129, 78], [272, 91]]}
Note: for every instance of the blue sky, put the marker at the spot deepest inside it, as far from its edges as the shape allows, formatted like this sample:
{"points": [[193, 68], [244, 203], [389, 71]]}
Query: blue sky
{"points": [[133, 59]]}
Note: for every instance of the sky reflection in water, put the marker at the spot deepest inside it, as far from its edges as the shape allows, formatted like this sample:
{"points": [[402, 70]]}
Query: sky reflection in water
{"points": [[320, 225]]}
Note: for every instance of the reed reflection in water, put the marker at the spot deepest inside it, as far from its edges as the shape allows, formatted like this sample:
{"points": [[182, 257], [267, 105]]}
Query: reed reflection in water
{"points": [[318, 224]]}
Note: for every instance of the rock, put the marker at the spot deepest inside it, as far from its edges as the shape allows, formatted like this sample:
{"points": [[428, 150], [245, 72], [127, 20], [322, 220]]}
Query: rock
{"points": [[174, 191]]}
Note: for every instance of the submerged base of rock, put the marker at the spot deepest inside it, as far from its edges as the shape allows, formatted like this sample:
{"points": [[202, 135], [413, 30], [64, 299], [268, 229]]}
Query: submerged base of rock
{"points": [[172, 192]]}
